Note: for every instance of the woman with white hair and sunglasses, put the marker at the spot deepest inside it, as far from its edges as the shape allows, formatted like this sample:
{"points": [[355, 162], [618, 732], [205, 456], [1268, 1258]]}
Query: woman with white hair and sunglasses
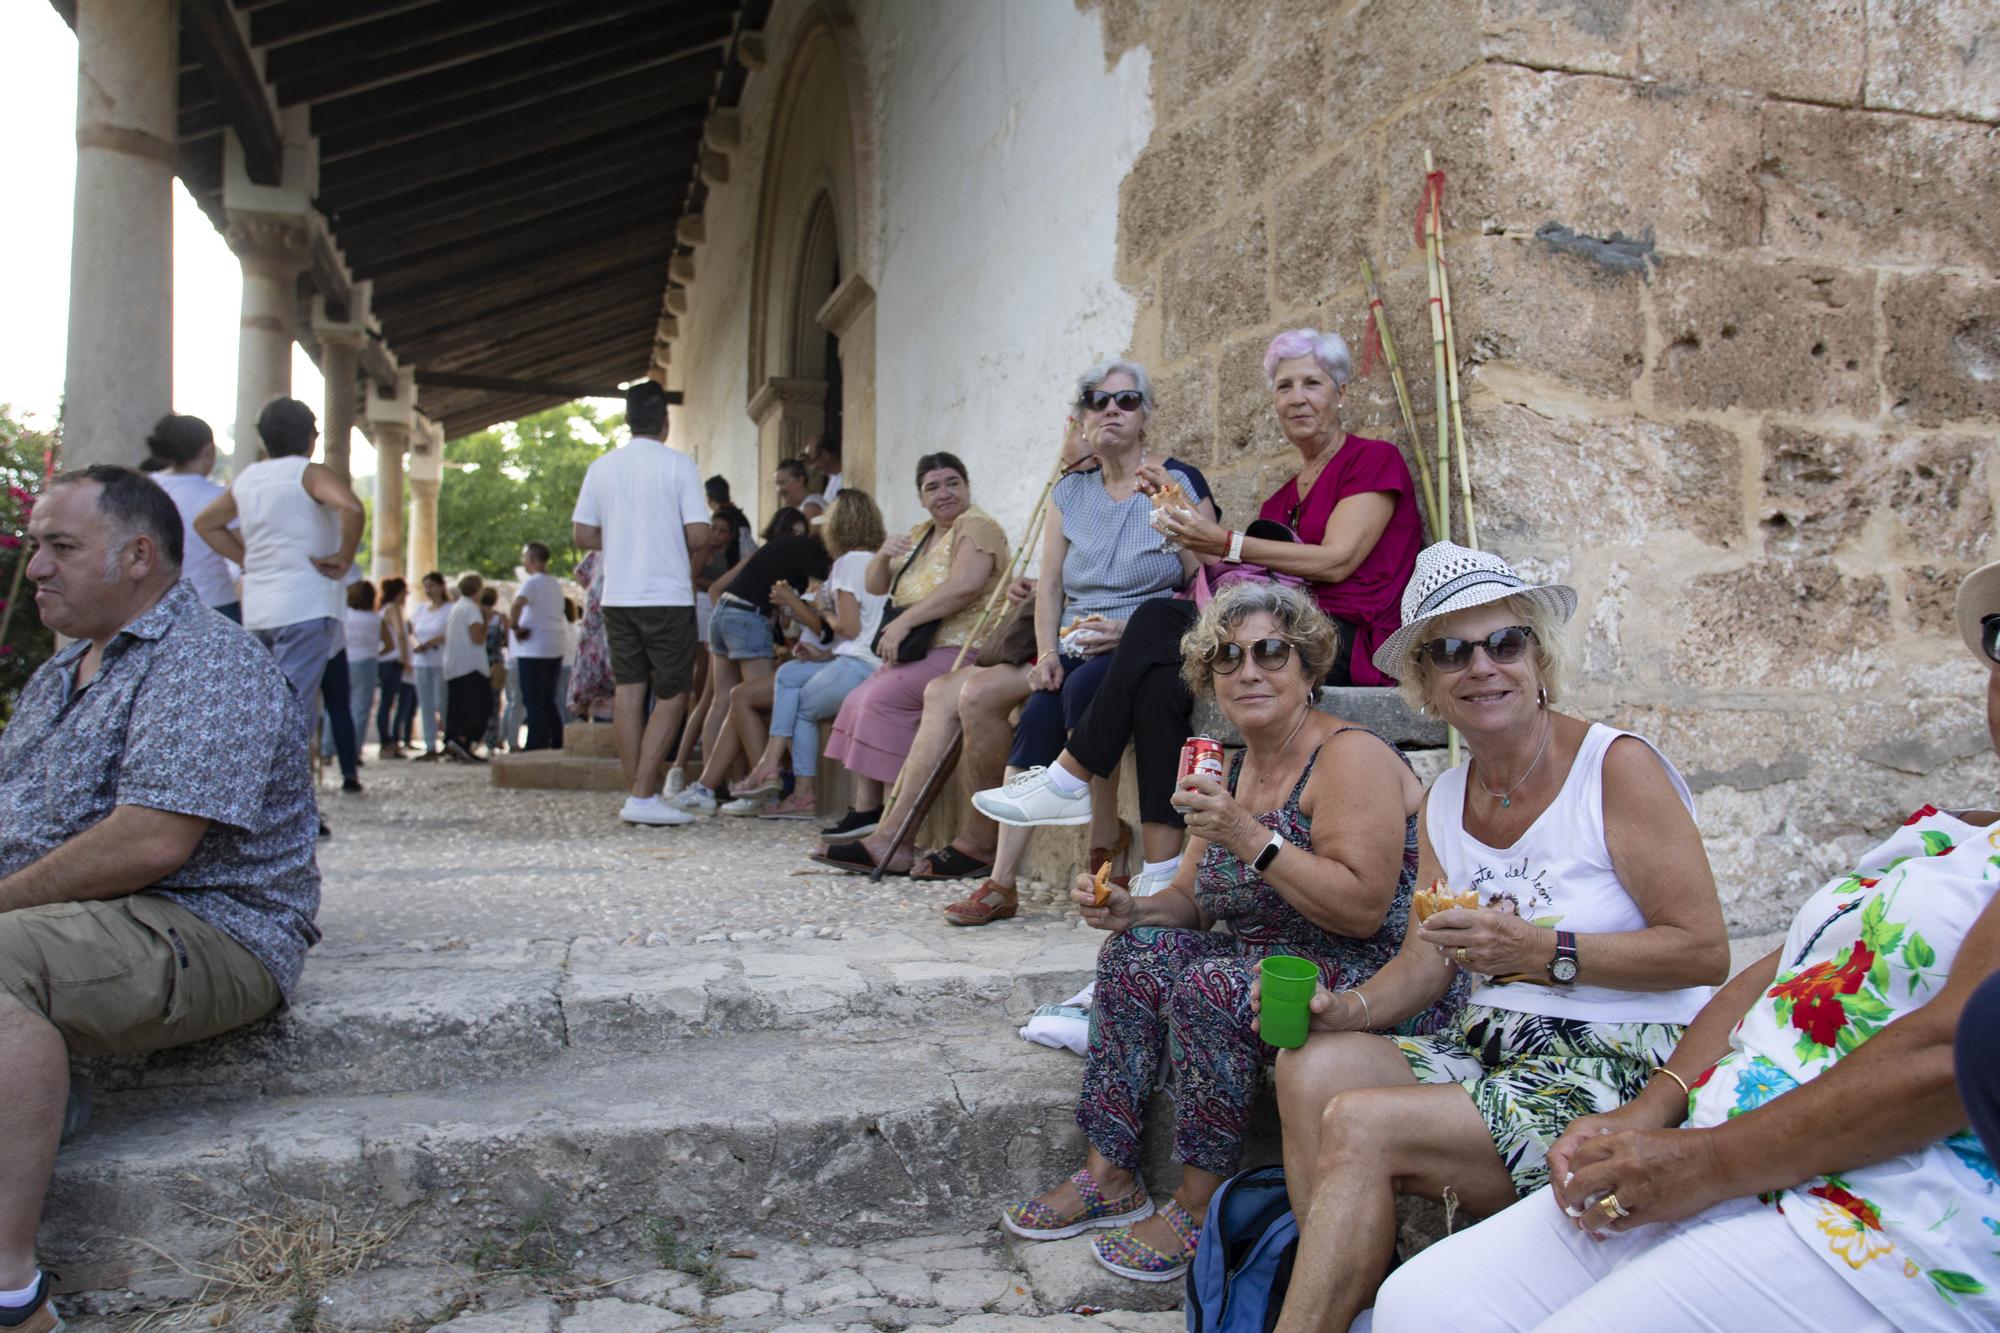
{"points": [[1589, 924], [1801, 1160], [1350, 532]]}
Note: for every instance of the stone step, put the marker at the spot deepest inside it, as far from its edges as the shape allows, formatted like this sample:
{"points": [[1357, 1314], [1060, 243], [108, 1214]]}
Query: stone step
{"points": [[556, 770], [433, 1018], [844, 1140], [590, 740]]}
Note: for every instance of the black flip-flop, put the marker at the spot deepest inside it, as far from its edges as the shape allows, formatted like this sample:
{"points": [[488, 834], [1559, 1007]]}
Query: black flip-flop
{"points": [[950, 863], [851, 857]]}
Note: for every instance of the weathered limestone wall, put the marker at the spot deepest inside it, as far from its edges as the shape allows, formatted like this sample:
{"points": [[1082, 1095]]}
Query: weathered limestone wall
{"points": [[1725, 291]]}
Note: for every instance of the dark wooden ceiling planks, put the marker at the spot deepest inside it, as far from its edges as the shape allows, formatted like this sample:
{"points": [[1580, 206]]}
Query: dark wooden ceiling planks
{"points": [[509, 174]]}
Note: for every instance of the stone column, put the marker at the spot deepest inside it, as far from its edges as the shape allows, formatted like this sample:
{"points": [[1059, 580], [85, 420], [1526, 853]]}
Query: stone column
{"points": [[340, 343], [272, 250], [386, 543], [426, 478], [389, 418], [118, 373]]}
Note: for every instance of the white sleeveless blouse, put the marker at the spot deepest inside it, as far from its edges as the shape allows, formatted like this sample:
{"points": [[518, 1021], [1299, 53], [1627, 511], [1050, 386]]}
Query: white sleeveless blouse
{"points": [[284, 531], [1558, 875]]}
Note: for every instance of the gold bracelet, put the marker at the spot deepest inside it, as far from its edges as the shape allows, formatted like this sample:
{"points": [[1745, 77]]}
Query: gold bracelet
{"points": [[1367, 1018], [1686, 1091]]}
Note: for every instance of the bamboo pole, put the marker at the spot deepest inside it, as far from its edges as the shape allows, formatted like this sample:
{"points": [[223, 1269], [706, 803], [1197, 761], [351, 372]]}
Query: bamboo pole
{"points": [[1457, 413], [1380, 314], [1441, 393]]}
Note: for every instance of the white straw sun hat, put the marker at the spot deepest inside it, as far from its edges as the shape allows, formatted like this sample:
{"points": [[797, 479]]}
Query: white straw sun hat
{"points": [[1978, 597], [1452, 578]]}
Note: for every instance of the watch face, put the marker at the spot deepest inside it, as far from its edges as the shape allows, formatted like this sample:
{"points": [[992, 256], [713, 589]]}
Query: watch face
{"points": [[1564, 969]]}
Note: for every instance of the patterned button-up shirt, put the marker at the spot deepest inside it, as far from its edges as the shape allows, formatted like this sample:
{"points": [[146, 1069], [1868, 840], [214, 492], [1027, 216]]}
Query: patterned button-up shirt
{"points": [[187, 713]]}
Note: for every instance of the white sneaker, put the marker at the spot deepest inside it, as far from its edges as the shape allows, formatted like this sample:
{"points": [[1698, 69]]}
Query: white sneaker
{"points": [[746, 805], [696, 799], [652, 810], [1145, 885], [677, 781], [1031, 801]]}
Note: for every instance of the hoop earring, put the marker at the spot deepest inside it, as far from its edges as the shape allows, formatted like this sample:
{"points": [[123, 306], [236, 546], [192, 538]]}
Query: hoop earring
{"points": [[1542, 697]]}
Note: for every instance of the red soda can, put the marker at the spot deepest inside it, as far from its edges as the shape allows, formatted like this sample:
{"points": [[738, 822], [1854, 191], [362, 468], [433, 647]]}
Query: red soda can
{"points": [[1200, 755]]}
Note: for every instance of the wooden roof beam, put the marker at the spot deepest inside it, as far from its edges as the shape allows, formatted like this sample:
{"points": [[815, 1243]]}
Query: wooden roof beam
{"points": [[540, 388], [211, 29]]}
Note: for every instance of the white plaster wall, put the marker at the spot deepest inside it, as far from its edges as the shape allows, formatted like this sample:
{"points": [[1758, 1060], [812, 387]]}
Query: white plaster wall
{"points": [[1003, 139]]}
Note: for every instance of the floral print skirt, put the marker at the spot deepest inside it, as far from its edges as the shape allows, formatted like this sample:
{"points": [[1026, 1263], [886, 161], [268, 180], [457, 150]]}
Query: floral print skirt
{"points": [[1529, 1075]]}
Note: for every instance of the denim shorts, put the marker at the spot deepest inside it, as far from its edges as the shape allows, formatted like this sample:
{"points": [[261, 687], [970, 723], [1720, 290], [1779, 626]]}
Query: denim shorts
{"points": [[737, 632]]}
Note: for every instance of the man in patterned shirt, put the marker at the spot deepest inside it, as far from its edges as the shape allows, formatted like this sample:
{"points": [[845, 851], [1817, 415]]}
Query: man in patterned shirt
{"points": [[157, 827]]}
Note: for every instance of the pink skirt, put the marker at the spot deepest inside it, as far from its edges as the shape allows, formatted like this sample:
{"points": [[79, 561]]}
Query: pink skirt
{"points": [[878, 719]]}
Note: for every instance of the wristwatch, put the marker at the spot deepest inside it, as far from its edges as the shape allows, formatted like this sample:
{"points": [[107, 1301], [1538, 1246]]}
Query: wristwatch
{"points": [[1235, 555], [1270, 852], [1562, 971]]}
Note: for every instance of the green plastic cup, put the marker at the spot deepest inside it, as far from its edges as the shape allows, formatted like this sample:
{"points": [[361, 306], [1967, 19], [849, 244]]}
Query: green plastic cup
{"points": [[1289, 984]]}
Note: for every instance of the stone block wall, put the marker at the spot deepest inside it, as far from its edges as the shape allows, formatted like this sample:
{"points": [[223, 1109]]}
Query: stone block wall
{"points": [[1729, 325]]}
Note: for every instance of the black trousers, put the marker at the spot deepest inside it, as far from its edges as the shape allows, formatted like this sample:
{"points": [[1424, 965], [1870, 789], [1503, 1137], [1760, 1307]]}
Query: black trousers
{"points": [[468, 703], [1142, 700], [538, 699], [339, 701]]}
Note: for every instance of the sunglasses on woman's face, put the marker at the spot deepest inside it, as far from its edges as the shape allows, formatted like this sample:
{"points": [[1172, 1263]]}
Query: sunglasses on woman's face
{"points": [[1269, 654], [1989, 637], [1128, 400], [1502, 646]]}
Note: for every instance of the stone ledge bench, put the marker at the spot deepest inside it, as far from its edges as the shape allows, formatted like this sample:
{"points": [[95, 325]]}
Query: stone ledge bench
{"points": [[1380, 708]]}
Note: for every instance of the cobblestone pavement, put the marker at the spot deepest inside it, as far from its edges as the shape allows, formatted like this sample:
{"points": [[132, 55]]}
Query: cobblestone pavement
{"points": [[430, 852]]}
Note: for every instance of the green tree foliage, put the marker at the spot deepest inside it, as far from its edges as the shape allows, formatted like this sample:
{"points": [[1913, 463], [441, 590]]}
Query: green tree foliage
{"points": [[517, 483], [24, 454]]}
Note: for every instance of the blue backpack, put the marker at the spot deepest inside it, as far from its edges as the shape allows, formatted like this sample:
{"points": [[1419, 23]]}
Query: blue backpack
{"points": [[1244, 1261]]}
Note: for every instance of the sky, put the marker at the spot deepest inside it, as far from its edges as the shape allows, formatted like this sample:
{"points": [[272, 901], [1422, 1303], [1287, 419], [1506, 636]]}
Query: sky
{"points": [[38, 157]]}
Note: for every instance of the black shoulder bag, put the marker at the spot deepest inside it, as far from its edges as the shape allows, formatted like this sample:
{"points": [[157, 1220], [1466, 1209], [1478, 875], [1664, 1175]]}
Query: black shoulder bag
{"points": [[916, 644]]}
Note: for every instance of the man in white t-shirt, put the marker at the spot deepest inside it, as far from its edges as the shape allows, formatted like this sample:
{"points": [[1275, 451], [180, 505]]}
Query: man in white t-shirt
{"points": [[468, 688], [643, 505], [535, 647]]}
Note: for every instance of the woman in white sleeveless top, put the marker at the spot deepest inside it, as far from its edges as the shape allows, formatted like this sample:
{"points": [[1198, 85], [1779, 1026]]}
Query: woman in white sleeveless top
{"points": [[180, 453], [1595, 939]]}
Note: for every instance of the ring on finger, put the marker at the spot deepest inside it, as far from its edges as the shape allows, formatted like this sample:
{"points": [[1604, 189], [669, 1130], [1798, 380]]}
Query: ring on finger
{"points": [[1609, 1203], [1460, 952]]}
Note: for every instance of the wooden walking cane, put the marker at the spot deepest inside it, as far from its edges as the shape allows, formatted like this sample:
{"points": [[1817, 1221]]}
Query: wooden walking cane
{"points": [[1380, 314], [1441, 394], [934, 781]]}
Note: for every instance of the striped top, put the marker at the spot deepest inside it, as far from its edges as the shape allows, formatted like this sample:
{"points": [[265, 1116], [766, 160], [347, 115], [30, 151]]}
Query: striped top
{"points": [[1114, 560]]}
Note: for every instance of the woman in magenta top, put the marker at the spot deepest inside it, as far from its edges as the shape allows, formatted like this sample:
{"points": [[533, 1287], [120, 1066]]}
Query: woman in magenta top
{"points": [[1352, 506]]}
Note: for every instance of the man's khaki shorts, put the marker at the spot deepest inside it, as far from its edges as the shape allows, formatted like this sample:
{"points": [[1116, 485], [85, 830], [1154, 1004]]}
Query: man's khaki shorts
{"points": [[130, 975], [652, 645]]}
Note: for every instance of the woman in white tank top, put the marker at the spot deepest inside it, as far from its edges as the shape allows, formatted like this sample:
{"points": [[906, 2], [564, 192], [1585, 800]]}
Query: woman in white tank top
{"points": [[1582, 905], [180, 453]]}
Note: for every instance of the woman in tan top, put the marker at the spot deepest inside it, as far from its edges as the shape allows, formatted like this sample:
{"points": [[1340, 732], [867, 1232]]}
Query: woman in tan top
{"points": [[939, 574]]}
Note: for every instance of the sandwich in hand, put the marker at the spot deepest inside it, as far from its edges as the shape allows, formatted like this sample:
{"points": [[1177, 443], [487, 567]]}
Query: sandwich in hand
{"points": [[1438, 897]]}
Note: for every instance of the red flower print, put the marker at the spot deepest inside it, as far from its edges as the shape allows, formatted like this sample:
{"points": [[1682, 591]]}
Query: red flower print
{"points": [[1864, 1212], [1815, 993], [1924, 813]]}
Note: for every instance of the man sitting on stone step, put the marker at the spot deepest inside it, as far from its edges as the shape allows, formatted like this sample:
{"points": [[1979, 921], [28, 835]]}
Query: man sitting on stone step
{"points": [[157, 831]]}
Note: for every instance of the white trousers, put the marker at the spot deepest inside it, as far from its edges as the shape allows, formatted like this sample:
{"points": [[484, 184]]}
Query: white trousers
{"points": [[1736, 1267]]}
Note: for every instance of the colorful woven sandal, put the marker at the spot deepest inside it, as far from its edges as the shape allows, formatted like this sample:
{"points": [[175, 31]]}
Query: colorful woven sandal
{"points": [[1128, 1256], [1035, 1220]]}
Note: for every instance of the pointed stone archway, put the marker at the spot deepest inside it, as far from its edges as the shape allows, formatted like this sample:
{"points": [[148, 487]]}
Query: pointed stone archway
{"points": [[812, 304]]}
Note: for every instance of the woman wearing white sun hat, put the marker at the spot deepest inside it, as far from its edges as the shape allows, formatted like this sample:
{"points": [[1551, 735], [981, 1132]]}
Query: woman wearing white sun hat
{"points": [[1802, 1160], [1596, 936]]}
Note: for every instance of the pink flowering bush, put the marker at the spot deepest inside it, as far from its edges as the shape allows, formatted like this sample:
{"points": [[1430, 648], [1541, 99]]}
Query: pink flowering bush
{"points": [[24, 454]]}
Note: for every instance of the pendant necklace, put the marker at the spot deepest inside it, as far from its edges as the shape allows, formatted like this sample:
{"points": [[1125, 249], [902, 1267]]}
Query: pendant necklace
{"points": [[1506, 798]]}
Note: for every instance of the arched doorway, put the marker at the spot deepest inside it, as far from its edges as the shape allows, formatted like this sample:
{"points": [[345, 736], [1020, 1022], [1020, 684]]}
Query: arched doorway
{"points": [[812, 314]]}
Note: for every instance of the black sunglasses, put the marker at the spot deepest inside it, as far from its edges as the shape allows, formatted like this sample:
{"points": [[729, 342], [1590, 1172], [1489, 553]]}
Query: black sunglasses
{"points": [[1128, 400], [1989, 637], [1502, 646], [1270, 655]]}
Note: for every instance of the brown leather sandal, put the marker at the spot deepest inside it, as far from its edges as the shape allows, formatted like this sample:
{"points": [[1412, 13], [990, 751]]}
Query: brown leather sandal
{"points": [[988, 903]]}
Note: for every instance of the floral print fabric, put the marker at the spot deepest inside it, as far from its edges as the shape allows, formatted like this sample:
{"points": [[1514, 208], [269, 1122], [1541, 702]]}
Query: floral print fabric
{"points": [[1529, 1075], [1918, 1236], [1183, 996]]}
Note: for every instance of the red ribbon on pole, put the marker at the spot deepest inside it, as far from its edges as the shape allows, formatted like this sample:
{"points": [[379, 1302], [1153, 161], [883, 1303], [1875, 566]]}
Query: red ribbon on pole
{"points": [[1371, 338], [1432, 200]]}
